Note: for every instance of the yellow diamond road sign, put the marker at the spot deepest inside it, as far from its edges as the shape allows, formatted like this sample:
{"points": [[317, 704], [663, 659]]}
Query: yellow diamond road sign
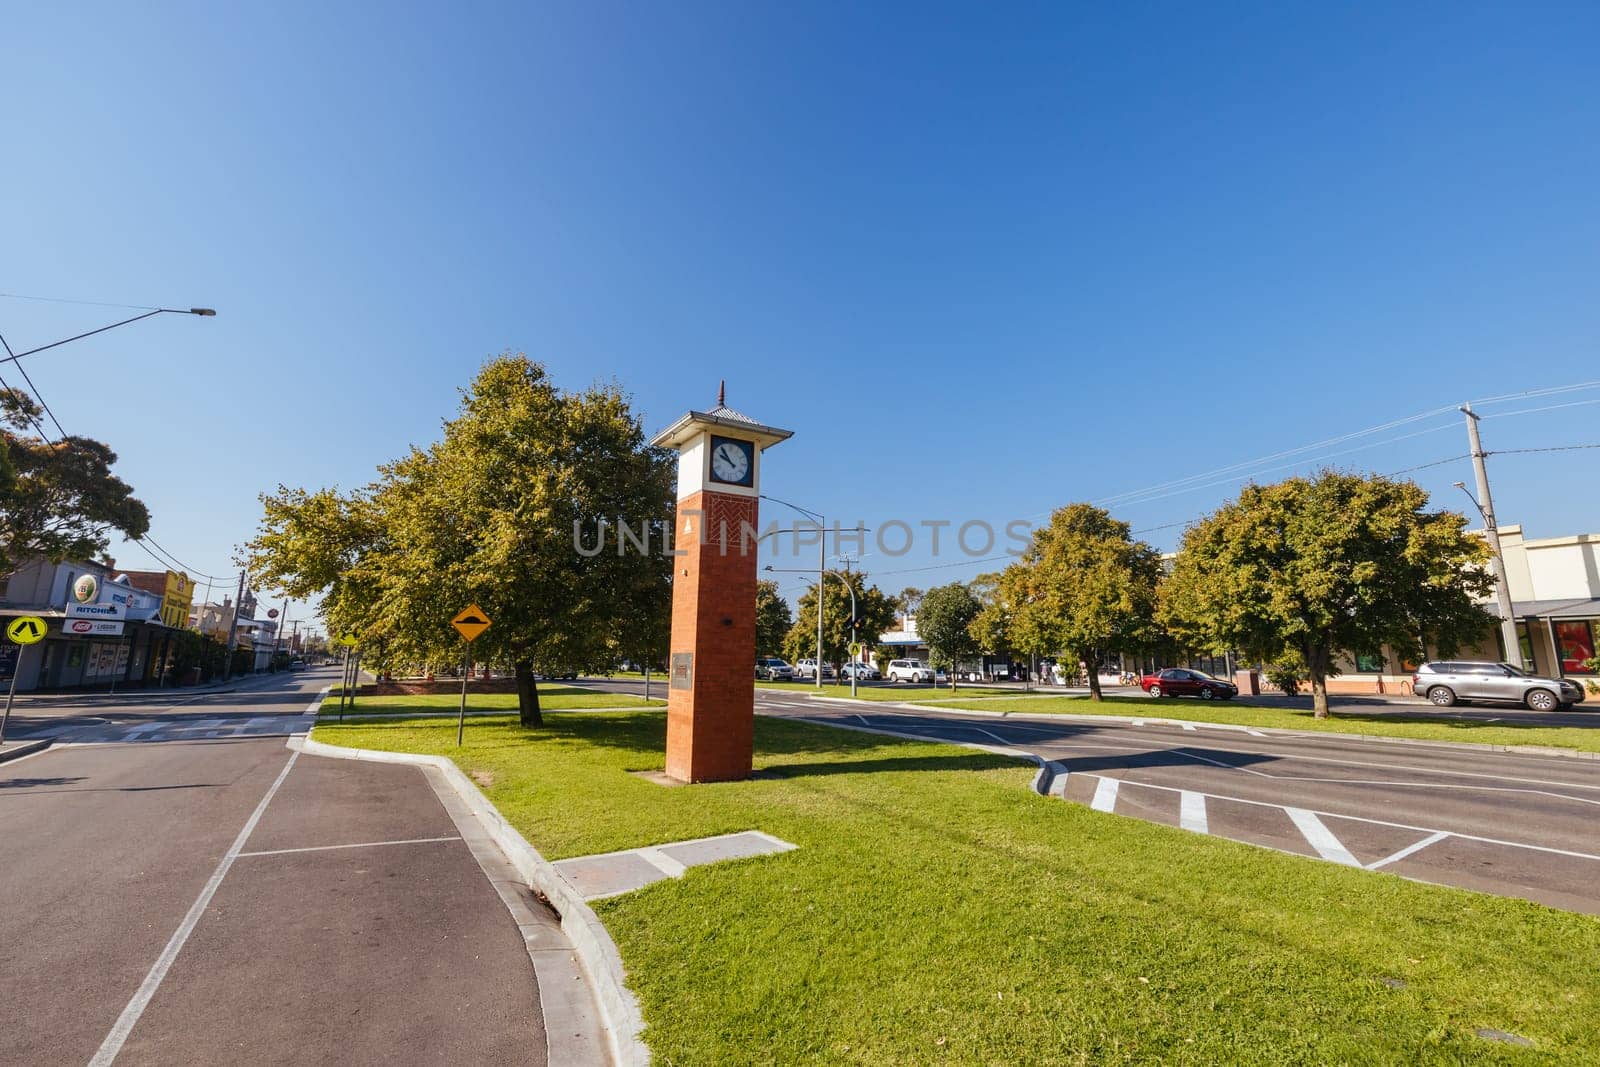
{"points": [[27, 630], [349, 641], [471, 622]]}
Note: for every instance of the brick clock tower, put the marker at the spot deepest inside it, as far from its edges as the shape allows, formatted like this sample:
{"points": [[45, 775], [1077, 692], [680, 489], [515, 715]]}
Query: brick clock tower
{"points": [[711, 692]]}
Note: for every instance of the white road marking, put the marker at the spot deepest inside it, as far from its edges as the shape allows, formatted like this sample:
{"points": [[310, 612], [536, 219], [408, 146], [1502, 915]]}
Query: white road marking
{"points": [[1432, 838], [1188, 726], [158, 971], [661, 862], [1105, 795], [1320, 837], [1192, 812], [361, 844]]}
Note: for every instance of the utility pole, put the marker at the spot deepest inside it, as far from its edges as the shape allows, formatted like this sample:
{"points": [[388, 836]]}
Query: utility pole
{"points": [[233, 631], [1497, 561], [822, 573]]}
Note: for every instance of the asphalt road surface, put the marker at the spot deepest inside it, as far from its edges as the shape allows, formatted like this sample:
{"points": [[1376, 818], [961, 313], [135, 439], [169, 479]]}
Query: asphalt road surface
{"points": [[1514, 824], [185, 889]]}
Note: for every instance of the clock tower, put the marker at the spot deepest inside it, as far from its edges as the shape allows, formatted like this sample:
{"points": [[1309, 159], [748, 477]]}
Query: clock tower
{"points": [[711, 691]]}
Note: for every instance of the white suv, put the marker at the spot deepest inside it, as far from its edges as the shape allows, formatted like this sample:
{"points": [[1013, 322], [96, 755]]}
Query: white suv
{"points": [[908, 670], [807, 668]]}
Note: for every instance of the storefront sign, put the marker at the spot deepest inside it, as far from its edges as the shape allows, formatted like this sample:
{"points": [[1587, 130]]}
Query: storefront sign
{"points": [[86, 589], [1576, 642], [92, 628], [177, 600], [96, 611]]}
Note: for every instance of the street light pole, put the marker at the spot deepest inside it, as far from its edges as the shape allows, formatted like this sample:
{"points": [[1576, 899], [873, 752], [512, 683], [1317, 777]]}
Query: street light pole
{"points": [[206, 312], [1485, 505]]}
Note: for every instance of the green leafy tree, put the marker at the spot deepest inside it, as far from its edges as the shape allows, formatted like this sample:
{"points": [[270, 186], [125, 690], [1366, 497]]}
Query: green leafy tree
{"points": [[908, 599], [945, 621], [991, 629], [1303, 570], [58, 499], [773, 618], [875, 610], [1084, 587], [515, 510]]}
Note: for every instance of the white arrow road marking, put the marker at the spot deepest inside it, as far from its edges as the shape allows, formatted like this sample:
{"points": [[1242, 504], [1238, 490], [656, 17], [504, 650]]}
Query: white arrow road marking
{"points": [[1105, 795], [1192, 811], [1321, 838]]}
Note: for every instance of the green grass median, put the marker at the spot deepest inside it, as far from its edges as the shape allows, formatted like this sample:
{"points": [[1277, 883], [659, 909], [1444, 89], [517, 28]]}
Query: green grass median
{"points": [[1346, 720], [938, 910], [551, 698]]}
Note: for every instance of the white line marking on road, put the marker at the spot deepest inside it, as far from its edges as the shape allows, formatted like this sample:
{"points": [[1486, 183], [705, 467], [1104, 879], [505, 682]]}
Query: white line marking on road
{"points": [[1432, 838], [158, 971], [1188, 726], [1192, 812], [1137, 722], [312, 708], [1319, 837], [1105, 795], [361, 844]]}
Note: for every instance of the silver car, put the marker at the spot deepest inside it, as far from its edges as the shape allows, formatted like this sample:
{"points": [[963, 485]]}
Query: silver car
{"points": [[1448, 682]]}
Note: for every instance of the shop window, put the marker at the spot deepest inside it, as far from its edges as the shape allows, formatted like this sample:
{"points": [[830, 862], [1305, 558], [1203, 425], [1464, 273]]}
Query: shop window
{"points": [[1575, 642], [1366, 664]]}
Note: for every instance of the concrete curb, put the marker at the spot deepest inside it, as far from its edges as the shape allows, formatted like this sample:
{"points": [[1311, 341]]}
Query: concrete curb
{"points": [[619, 1011], [333, 716], [24, 748], [1263, 731]]}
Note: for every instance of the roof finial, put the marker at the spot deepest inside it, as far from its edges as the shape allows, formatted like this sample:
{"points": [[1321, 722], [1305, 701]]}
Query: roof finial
{"points": [[722, 393]]}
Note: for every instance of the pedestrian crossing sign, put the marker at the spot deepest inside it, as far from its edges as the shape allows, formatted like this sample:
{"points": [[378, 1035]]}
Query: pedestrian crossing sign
{"points": [[26, 630], [349, 641]]}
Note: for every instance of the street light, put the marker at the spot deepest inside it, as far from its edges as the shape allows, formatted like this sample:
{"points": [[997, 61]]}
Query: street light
{"points": [[849, 589], [203, 312], [1502, 584]]}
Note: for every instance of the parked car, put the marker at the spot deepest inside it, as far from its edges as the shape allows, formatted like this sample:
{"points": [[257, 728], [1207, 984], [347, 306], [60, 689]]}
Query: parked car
{"points": [[908, 670], [1180, 682], [863, 672], [807, 668], [773, 669], [1457, 682]]}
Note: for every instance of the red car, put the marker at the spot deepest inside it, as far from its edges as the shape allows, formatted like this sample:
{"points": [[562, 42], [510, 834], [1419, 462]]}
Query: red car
{"points": [[1180, 682]]}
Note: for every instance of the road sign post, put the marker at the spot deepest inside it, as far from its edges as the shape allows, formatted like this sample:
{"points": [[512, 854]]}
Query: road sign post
{"points": [[349, 642], [27, 630], [469, 624]]}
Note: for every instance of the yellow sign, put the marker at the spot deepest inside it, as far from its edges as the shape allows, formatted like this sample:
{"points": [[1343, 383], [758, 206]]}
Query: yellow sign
{"points": [[855, 648], [471, 622], [176, 600], [349, 641], [27, 630]]}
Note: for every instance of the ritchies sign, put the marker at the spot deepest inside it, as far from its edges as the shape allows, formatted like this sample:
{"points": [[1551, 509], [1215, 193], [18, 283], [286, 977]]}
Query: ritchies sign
{"points": [[96, 611]]}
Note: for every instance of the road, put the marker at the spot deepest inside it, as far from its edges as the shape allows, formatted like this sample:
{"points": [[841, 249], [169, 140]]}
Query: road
{"points": [[180, 887], [1514, 824]]}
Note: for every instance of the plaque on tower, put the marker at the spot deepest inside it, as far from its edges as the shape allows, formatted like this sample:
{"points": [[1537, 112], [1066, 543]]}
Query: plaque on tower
{"points": [[711, 697]]}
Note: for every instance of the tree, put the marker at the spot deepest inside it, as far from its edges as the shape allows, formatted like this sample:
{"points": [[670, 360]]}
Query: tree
{"points": [[991, 629], [1308, 568], [944, 621], [1083, 586], [58, 500], [516, 510], [908, 600], [874, 610], [773, 618]]}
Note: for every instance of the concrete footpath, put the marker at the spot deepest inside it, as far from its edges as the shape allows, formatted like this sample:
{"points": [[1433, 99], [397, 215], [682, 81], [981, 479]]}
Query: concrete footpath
{"points": [[204, 901]]}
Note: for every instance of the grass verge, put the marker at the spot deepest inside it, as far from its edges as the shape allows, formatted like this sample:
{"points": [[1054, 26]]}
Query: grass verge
{"points": [[551, 698], [938, 910], [886, 691], [1342, 721]]}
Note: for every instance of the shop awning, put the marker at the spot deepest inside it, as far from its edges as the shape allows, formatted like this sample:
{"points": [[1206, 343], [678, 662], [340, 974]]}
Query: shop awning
{"points": [[1581, 608]]}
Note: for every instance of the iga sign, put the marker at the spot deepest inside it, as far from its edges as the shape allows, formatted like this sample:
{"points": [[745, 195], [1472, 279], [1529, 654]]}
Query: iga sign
{"points": [[92, 628]]}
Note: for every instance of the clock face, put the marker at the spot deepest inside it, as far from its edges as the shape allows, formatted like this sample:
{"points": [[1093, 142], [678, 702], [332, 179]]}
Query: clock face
{"points": [[732, 462]]}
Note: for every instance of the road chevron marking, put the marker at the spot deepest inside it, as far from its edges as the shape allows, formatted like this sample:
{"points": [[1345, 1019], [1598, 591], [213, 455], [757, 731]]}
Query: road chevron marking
{"points": [[1192, 812], [1417, 846], [1105, 795], [1319, 837]]}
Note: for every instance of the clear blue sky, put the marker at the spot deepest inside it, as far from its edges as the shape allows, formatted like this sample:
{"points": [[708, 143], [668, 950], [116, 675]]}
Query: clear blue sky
{"points": [[983, 260]]}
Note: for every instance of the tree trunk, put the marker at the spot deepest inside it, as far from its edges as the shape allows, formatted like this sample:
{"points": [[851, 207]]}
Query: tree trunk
{"points": [[1317, 667], [1091, 668], [528, 695]]}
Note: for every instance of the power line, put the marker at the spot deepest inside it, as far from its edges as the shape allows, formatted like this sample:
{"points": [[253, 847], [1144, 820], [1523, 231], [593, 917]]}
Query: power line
{"points": [[85, 303], [1547, 407], [1552, 448], [1425, 466]]}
